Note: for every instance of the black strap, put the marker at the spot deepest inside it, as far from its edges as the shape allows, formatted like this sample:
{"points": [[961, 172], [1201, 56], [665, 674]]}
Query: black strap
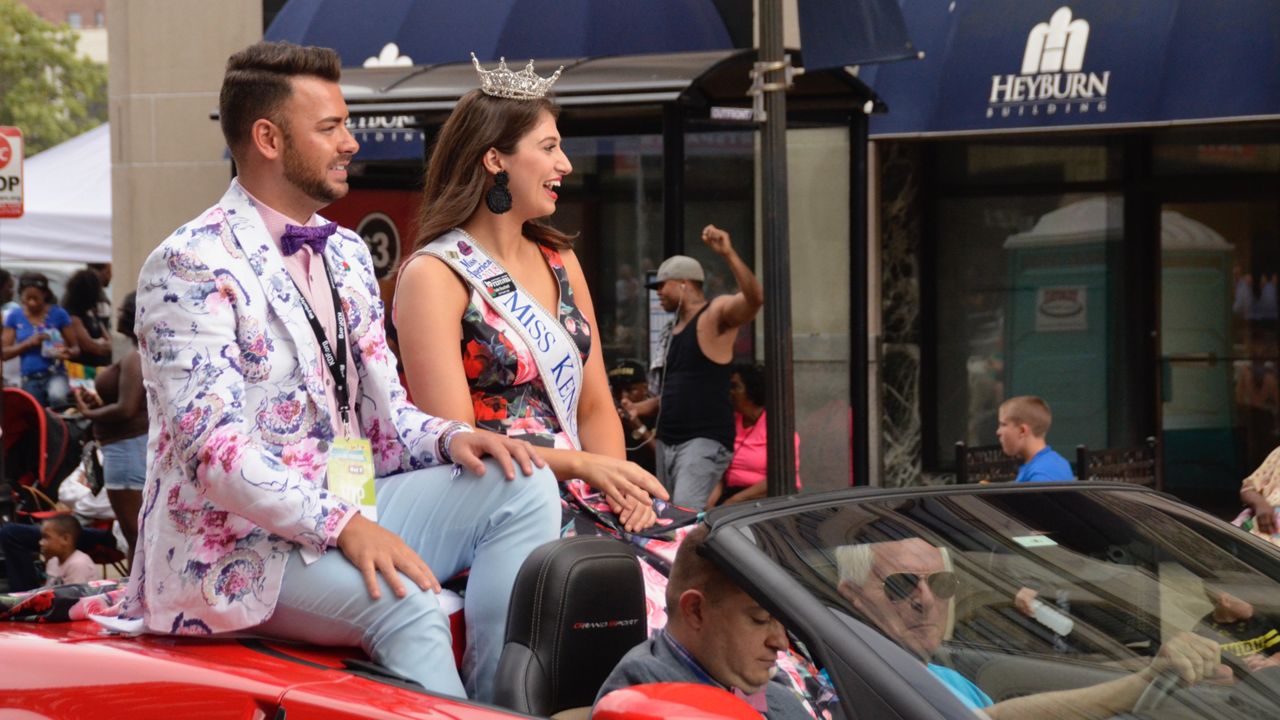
{"points": [[337, 364]]}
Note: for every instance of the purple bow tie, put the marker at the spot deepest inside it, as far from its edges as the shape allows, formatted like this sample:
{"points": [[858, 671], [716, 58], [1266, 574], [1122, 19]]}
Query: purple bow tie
{"points": [[295, 237], [757, 700]]}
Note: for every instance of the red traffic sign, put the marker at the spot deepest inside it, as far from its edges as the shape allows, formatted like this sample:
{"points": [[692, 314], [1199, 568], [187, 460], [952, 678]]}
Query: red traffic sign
{"points": [[11, 150]]}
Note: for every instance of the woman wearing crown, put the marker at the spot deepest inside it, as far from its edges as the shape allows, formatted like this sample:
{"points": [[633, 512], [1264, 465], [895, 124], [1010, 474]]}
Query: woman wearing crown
{"points": [[494, 316]]}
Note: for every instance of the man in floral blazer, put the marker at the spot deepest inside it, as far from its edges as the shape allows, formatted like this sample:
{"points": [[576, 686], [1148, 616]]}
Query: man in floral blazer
{"points": [[247, 361]]}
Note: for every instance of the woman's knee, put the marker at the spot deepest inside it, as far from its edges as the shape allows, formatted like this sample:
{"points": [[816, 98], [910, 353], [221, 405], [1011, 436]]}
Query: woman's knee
{"points": [[541, 478], [542, 483]]}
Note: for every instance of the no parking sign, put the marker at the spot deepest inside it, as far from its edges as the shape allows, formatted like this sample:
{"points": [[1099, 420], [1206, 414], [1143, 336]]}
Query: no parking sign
{"points": [[10, 172]]}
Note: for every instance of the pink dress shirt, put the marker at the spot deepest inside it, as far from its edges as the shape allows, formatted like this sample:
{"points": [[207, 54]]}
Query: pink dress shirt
{"points": [[308, 273]]}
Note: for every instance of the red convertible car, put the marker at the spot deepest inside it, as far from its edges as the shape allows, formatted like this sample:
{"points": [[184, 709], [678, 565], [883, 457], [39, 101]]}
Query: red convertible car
{"points": [[1114, 575]]}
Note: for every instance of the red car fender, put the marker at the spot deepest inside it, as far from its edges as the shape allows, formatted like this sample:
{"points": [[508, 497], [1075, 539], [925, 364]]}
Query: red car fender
{"points": [[77, 670], [369, 701], [672, 701]]}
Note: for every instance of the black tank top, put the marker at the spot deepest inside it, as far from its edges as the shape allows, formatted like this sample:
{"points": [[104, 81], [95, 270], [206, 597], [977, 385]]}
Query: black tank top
{"points": [[695, 392]]}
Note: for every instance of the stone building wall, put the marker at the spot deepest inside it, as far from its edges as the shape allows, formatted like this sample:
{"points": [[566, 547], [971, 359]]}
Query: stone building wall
{"points": [[901, 212]]}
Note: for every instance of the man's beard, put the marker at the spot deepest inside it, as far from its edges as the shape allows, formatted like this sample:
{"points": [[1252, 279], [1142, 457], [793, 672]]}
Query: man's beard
{"points": [[306, 180]]}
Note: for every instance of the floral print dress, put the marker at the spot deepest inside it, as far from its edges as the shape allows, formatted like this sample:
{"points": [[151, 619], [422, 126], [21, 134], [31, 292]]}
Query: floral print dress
{"points": [[1266, 482], [507, 393], [509, 397]]}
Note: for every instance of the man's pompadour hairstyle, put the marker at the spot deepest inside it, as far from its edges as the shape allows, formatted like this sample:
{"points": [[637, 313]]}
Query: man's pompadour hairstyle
{"points": [[258, 81]]}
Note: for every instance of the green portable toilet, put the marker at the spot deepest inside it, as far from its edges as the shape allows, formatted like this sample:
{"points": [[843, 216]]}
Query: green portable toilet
{"points": [[1059, 316], [1196, 370]]}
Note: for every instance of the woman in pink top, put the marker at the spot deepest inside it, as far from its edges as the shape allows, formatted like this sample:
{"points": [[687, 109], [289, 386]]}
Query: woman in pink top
{"points": [[744, 478]]}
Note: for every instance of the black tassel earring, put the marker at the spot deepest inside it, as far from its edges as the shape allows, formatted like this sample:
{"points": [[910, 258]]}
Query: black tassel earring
{"points": [[499, 197]]}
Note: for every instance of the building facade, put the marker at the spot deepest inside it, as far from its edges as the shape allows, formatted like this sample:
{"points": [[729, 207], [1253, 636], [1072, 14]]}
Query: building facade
{"points": [[1068, 214]]}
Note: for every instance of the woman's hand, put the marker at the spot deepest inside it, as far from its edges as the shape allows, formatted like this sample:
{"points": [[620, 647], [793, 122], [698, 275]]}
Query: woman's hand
{"points": [[467, 449], [628, 488], [1264, 515]]}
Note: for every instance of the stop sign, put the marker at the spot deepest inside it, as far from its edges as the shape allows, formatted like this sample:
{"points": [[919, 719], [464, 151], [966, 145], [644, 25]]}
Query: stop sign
{"points": [[10, 172]]}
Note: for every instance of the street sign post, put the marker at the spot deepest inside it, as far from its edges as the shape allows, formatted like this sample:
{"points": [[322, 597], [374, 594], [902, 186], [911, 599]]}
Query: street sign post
{"points": [[11, 152]]}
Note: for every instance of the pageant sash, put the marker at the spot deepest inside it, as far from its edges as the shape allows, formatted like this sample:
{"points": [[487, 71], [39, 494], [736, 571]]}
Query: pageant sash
{"points": [[554, 352]]}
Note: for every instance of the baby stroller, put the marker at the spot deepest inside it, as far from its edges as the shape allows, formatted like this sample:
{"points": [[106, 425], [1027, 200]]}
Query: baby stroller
{"points": [[39, 448]]}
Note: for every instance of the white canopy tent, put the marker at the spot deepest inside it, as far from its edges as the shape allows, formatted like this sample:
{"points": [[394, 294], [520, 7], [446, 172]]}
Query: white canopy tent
{"points": [[68, 204]]}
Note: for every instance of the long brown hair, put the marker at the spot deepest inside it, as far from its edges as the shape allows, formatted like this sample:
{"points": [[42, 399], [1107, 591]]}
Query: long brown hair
{"points": [[456, 179]]}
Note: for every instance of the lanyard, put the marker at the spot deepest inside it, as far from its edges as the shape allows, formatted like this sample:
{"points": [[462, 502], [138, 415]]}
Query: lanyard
{"points": [[337, 364]]}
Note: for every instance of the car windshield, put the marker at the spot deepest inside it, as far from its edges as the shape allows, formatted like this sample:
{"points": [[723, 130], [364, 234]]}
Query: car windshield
{"points": [[1020, 592]]}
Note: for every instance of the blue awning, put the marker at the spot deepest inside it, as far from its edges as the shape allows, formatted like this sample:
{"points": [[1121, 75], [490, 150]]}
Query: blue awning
{"points": [[999, 66], [427, 32], [836, 33]]}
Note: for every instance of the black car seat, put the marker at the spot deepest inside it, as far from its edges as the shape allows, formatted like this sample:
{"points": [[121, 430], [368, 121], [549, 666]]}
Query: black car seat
{"points": [[577, 607]]}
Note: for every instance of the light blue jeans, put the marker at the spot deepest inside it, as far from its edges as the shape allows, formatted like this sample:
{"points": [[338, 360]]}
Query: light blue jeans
{"points": [[488, 524]]}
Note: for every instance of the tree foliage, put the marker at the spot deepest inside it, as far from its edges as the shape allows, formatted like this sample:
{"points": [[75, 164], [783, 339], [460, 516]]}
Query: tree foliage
{"points": [[46, 88]]}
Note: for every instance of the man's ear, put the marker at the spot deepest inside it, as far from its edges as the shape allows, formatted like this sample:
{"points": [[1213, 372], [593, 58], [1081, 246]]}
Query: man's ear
{"points": [[853, 594], [266, 139], [493, 161], [693, 609]]}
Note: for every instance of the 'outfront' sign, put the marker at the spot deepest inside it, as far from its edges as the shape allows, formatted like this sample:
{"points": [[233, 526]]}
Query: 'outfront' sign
{"points": [[10, 172]]}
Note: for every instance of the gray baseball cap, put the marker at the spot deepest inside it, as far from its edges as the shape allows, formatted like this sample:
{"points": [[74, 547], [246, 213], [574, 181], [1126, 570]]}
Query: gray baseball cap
{"points": [[678, 267]]}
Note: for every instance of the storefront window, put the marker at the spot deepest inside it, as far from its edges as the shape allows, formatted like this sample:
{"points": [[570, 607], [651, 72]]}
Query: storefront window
{"points": [[613, 200], [976, 163], [1197, 151], [719, 182], [1220, 406], [1027, 304]]}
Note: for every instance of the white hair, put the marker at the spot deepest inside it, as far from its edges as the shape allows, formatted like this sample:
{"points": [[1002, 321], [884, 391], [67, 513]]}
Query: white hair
{"points": [[854, 563]]}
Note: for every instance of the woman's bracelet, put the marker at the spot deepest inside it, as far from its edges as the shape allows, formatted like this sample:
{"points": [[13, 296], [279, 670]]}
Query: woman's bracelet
{"points": [[446, 439]]}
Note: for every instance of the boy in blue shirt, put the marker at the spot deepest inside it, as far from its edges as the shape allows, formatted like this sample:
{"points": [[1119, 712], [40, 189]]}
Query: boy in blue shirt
{"points": [[1024, 423]]}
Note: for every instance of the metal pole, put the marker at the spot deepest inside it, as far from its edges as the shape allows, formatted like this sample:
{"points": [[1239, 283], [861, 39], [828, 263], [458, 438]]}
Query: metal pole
{"points": [[672, 181], [859, 364], [780, 421]]}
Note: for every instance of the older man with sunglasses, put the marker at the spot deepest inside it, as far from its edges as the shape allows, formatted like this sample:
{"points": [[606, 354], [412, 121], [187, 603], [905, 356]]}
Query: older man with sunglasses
{"points": [[903, 586]]}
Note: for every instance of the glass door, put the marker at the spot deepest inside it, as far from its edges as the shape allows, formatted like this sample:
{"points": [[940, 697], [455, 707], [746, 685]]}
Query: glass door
{"points": [[1220, 411]]}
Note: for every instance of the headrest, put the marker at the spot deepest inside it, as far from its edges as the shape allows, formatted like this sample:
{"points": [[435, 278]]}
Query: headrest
{"points": [[577, 607]]}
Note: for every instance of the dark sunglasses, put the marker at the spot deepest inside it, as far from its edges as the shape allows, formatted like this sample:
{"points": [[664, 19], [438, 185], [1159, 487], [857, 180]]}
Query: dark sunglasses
{"points": [[900, 586]]}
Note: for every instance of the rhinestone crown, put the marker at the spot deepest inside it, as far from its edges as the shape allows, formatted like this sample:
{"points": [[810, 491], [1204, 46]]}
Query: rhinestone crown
{"points": [[523, 85]]}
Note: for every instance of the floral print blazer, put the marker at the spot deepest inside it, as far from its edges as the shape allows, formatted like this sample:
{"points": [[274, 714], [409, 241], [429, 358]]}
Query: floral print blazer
{"points": [[240, 425]]}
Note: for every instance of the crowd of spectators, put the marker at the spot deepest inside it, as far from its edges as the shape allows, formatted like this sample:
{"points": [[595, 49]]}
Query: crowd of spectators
{"points": [[59, 352]]}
